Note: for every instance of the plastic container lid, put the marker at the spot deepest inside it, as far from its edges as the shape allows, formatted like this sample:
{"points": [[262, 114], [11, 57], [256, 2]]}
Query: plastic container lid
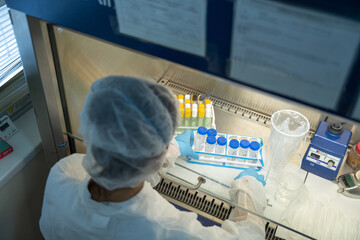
{"points": [[244, 143], [357, 148], [207, 101], [221, 141], [180, 96], [211, 140], [202, 130], [254, 146], [234, 143], [194, 98], [211, 132]]}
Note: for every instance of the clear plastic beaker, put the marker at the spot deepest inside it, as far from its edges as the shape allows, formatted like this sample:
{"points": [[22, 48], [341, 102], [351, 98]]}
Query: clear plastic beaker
{"points": [[289, 187], [288, 129]]}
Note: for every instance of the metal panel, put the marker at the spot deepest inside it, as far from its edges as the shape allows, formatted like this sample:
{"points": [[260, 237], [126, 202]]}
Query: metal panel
{"points": [[239, 98], [83, 60], [238, 94], [35, 51]]}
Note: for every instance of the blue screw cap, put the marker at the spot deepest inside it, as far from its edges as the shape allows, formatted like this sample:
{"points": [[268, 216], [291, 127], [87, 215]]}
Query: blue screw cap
{"points": [[202, 130], [211, 132], [244, 143], [254, 146], [211, 140], [221, 141], [234, 143]]}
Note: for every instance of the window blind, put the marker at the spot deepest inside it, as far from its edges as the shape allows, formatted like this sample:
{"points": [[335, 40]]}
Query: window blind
{"points": [[9, 53]]}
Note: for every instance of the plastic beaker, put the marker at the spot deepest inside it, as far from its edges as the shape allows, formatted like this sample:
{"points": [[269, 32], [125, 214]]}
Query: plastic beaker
{"points": [[289, 188], [288, 129]]}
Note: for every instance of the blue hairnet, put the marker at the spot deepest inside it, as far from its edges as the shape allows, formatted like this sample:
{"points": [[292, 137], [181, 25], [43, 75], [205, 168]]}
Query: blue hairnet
{"points": [[127, 124]]}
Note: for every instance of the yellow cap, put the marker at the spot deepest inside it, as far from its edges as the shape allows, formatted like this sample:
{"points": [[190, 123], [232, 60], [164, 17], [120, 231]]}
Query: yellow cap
{"points": [[201, 112], [201, 106], [187, 101], [207, 101], [180, 96], [187, 112]]}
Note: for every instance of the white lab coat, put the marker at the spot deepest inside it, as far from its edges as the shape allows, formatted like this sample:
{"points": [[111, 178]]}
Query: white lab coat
{"points": [[69, 213]]}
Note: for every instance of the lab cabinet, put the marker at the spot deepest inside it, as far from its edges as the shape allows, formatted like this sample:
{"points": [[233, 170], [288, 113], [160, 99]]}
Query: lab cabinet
{"points": [[65, 48]]}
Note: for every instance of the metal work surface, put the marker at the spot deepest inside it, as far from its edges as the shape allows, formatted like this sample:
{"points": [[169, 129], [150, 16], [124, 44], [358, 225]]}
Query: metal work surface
{"points": [[203, 204]]}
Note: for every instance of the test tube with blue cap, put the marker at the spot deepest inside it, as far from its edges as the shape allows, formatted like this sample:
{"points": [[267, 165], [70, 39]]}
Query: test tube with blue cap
{"points": [[200, 138], [212, 132], [210, 144], [244, 147], [254, 149], [233, 147], [220, 146]]}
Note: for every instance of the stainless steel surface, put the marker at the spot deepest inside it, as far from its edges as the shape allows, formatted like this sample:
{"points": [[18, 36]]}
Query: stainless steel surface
{"points": [[247, 101], [195, 201], [83, 60], [33, 42], [237, 94]]}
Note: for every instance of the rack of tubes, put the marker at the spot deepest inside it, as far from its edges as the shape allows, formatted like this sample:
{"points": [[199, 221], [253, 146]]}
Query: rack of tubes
{"points": [[195, 111], [227, 150]]}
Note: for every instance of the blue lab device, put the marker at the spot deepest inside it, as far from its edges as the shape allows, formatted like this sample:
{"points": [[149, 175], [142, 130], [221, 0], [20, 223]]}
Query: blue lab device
{"points": [[326, 150]]}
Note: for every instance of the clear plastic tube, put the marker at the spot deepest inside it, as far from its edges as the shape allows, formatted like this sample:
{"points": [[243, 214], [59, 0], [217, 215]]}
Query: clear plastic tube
{"points": [[233, 147], [201, 115], [207, 121], [220, 145], [254, 149], [194, 115], [187, 115], [243, 148], [210, 144], [200, 137]]}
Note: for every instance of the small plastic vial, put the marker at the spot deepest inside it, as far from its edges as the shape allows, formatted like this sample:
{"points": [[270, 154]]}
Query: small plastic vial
{"points": [[200, 138], [254, 149], [244, 147], [220, 146], [187, 115], [353, 159], [233, 147], [210, 144], [212, 132]]}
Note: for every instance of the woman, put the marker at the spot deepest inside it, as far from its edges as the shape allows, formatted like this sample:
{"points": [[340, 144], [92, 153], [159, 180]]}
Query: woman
{"points": [[128, 126]]}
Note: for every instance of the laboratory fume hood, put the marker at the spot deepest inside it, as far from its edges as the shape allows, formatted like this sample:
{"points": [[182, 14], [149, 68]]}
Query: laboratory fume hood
{"points": [[251, 57]]}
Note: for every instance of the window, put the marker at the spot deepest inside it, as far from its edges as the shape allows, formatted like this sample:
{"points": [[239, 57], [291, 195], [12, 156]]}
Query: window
{"points": [[10, 63]]}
